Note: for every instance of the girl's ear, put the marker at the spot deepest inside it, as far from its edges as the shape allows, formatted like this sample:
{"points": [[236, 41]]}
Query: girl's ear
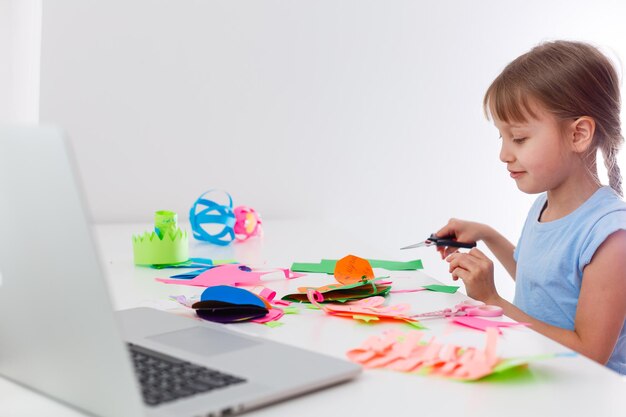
{"points": [[581, 133]]}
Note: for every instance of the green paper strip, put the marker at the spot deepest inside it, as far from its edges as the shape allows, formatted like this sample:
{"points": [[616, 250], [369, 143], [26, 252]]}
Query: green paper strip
{"points": [[397, 265], [327, 266], [291, 310], [450, 289], [224, 261], [273, 324], [317, 268]]}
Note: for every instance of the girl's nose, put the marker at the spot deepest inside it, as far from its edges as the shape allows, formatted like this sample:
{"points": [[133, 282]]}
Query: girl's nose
{"points": [[505, 153]]}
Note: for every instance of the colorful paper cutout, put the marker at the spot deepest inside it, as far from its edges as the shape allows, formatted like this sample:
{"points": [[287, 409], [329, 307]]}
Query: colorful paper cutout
{"points": [[341, 293], [365, 309], [405, 352], [225, 304], [351, 269], [247, 223], [219, 223], [165, 245], [165, 222], [230, 274], [327, 266]]}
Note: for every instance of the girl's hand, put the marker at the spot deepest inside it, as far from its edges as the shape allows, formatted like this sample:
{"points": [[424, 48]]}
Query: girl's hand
{"points": [[476, 271], [461, 230]]}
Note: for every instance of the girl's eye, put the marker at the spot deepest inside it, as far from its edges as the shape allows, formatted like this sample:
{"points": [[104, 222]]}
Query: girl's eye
{"points": [[519, 140]]}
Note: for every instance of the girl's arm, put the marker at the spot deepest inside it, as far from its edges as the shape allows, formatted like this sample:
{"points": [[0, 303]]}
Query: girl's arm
{"points": [[601, 307], [465, 231]]}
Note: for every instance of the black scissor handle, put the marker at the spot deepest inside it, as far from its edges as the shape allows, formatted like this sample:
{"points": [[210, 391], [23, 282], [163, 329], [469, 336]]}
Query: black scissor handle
{"points": [[449, 241]]}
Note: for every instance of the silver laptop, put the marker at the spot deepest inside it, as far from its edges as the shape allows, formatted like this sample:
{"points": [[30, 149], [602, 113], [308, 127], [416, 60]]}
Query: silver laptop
{"points": [[59, 335]]}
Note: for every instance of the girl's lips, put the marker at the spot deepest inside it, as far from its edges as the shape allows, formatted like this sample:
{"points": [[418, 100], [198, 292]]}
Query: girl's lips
{"points": [[516, 174]]}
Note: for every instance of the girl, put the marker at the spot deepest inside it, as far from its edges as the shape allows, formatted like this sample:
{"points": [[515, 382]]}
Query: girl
{"points": [[554, 107]]}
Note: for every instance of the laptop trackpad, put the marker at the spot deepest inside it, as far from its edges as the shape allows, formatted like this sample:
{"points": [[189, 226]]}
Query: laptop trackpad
{"points": [[203, 341]]}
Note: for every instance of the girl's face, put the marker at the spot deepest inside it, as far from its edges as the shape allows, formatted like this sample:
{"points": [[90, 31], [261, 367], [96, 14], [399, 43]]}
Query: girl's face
{"points": [[535, 153]]}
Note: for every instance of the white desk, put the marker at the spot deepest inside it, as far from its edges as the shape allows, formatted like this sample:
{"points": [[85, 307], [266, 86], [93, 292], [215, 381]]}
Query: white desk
{"points": [[572, 386]]}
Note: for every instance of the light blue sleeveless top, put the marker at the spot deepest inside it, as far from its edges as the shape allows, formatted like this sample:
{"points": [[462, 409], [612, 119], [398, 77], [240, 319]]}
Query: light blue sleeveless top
{"points": [[551, 257]]}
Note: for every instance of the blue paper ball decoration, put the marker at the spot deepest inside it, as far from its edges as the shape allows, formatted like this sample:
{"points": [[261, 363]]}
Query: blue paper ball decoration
{"points": [[211, 221]]}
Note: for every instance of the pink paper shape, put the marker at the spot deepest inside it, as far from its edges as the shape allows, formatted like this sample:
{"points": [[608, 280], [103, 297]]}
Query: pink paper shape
{"points": [[274, 314], [371, 306], [483, 324], [229, 274], [405, 352]]}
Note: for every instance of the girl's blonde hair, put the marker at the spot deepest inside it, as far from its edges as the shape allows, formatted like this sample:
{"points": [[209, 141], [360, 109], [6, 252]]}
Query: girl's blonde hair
{"points": [[570, 79]]}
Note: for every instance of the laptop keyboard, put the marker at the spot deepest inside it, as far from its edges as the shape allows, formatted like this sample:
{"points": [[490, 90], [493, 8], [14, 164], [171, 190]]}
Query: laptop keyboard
{"points": [[164, 378]]}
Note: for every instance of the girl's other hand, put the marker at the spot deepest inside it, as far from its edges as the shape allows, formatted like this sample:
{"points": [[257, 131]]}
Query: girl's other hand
{"points": [[461, 230], [476, 271]]}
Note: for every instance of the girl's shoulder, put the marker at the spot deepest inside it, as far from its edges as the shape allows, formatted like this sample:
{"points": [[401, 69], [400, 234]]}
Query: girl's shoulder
{"points": [[605, 216], [603, 202]]}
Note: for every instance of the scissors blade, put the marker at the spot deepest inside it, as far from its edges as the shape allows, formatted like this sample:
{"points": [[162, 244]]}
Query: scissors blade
{"points": [[417, 245]]}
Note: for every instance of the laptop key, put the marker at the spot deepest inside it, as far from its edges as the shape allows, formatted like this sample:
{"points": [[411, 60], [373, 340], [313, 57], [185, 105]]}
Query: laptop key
{"points": [[164, 378]]}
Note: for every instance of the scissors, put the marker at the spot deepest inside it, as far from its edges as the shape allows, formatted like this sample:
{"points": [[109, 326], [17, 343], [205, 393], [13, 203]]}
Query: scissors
{"points": [[466, 308], [441, 241]]}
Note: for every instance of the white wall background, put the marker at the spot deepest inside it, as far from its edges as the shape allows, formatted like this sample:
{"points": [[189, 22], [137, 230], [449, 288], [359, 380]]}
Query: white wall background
{"points": [[20, 32], [364, 113]]}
